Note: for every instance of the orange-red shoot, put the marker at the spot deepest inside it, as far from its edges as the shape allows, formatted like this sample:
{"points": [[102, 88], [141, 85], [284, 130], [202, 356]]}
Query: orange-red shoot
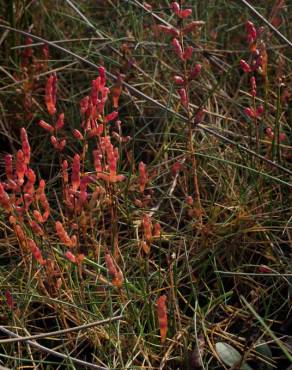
{"points": [[162, 317]]}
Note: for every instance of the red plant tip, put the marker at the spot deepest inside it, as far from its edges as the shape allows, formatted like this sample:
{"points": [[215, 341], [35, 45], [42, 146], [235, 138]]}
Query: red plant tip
{"points": [[147, 225], [8, 166], [282, 137], [114, 271], [157, 230], [46, 126], [36, 252], [189, 200], [74, 259], [187, 54], [251, 31], [9, 299], [4, 199], [77, 134], [25, 145], [254, 113], [162, 317], [84, 104], [264, 269], [60, 122], [177, 48], [183, 98], [116, 90], [58, 145], [143, 177], [112, 116], [192, 26], [245, 66], [199, 116], [174, 6], [75, 176], [36, 228], [195, 71], [250, 112], [270, 133], [260, 110], [20, 166], [178, 80], [176, 168], [50, 94], [102, 74], [185, 13], [168, 30], [64, 237]]}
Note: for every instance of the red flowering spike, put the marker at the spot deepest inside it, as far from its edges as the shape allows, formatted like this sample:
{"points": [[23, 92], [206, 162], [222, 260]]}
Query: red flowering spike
{"points": [[183, 98], [143, 176], [195, 71], [162, 317], [187, 54], [178, 80], [177, 48], [147, 225], [250, 112], [36, 228], [20, 167], [251, 31], [270, 133], [260, 110], [8, 166], [9, 299], [46, 126], [168, 30], [84, 104], [199, 116], [245, 66], [193, 26], [189, 200], [112, 116], [64, 237], [70, 256], [176, 168], [50, 94], [75, 177], [77, 134], [4, 199], [114, 270], [60, 122], [102, 74], [25, 145], [282, 137], [37, 254], [185, 13], [174, 6], [116, 91], [157, 230], [264, 269], [65, 172]]}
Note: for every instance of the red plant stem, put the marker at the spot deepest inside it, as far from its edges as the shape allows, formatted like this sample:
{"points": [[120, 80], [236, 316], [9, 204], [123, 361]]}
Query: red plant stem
{"points": [[190, 143]]}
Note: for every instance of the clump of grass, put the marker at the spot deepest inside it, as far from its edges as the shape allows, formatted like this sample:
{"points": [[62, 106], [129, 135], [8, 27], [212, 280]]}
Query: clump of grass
{"points": [[122, 198]]}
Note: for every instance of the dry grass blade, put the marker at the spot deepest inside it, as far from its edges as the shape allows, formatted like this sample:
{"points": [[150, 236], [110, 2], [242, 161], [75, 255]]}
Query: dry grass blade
{"points": [[54, 353], [60, 332]]}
